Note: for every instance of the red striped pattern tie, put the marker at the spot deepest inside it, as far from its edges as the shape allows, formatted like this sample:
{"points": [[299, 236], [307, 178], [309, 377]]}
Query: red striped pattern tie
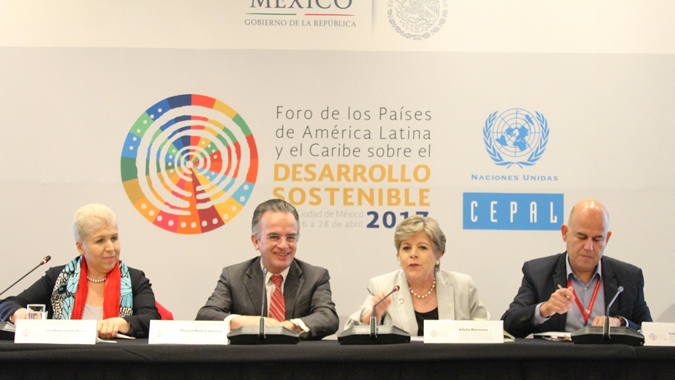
{"points": [[277, 304]]}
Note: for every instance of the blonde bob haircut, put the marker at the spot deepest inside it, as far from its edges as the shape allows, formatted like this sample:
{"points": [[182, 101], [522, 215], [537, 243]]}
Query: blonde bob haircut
{"points": [[90, 216], [413, 225]]}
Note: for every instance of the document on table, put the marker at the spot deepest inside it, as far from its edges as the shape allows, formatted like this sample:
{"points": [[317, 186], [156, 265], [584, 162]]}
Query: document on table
{"points": [[555, 336]]}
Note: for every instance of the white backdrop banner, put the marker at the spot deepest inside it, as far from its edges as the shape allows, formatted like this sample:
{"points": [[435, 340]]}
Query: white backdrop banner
{"points": [[182, 117]]}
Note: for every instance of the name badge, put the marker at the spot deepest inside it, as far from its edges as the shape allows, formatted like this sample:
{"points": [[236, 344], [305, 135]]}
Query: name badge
{"points": [[658, 334], [55, 331], [188, 332], [446, 331]]}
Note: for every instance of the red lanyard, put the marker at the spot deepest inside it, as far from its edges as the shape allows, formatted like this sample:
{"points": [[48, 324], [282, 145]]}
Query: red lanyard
{"points": [[590, 304]]}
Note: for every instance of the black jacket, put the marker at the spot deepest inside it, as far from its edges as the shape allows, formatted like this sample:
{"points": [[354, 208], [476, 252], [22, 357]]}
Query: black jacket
{"points": [[541, 278], [41, 291]]}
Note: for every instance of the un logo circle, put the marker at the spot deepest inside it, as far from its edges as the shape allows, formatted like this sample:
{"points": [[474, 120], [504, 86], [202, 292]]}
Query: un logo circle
{"points": [[189, 164], [516, 137]]}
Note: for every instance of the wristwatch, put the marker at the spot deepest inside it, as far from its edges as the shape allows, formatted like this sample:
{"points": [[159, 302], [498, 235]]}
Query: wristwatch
{"points": [[624, 321]]}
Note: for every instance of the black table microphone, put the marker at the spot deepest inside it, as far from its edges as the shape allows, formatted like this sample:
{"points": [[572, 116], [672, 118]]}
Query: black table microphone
{"points": [[44, 261], [373, 320]]}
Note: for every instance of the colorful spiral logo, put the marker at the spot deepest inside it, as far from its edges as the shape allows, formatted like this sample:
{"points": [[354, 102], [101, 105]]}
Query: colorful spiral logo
{"points": [[189, 164]]}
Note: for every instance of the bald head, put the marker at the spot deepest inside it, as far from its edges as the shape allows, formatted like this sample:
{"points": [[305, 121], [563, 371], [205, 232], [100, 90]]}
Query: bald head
{"points": [[586, 235], [588, 208]]}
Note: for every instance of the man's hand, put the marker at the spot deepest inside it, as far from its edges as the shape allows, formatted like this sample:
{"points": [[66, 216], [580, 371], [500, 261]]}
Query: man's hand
{"points": [[250, 320], [561, 302], [289, 325], [600, 321]]}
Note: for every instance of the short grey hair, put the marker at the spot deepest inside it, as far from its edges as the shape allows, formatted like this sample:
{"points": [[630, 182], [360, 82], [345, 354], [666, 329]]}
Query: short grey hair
{"points": [[89, 216], [413, 225], [272, 205]]}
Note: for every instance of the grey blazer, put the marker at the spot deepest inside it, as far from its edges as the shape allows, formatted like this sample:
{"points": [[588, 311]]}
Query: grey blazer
{"points": [[456, 295], [306, 293]]}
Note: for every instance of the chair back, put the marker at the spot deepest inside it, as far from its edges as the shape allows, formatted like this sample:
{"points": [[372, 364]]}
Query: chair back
{"points": [[164, 314]]}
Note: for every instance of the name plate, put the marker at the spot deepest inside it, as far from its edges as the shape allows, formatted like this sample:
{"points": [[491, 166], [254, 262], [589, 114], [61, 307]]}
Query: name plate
{"points": [[188, 332], [658, 334], [55, 331], [446, 331]]}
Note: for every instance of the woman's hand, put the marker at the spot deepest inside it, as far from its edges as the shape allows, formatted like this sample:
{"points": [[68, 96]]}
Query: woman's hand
{"points": [[380, 310], [19, 314], [108, 328]]}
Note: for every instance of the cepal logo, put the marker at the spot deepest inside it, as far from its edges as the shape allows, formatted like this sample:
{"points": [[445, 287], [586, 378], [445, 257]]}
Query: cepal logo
{"points": [[417, 19], [516, 137], [513, 211], [189, 164]]}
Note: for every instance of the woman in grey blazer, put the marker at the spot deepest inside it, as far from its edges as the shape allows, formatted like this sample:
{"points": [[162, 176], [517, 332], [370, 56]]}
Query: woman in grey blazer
{"points": [[426, 291]]}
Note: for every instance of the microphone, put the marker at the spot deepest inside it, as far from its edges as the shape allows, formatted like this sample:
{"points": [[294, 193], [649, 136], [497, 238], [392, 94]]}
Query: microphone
{"points": [[601, 334], [605, 326], [373, 320], [262, 334], [372, 333], [261, 325], [44, 261]]}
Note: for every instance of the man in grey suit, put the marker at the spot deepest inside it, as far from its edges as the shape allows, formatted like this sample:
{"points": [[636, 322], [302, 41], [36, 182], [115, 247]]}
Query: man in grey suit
{"points": [[237, 298], [561, 292]]}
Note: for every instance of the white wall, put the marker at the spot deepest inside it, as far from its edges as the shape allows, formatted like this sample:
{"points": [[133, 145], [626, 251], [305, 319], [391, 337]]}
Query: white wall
{"points": [[75, 76]]}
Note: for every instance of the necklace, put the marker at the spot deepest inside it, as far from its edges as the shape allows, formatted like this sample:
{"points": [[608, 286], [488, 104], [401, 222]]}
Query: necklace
{"points": [[426, 295], [96, 281]]}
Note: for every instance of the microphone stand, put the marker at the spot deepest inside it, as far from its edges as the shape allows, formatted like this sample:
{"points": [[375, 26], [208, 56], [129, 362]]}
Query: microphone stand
{"points": [[605, 326], [7, 329], [373, 319], [373, 325], [608, 335], [262, 334], [261, 325], [372, 333]]}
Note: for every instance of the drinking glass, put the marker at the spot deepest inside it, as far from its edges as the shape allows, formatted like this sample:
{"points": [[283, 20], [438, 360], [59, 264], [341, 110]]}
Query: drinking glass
{"points": [[36, 311]]}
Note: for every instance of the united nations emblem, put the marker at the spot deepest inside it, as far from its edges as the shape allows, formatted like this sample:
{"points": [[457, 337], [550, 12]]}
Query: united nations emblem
{"points": [[515, 137], [417, 19]]}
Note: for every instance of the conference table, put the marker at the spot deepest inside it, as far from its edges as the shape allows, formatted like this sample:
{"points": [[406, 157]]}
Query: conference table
{"points": [[522, 359]]}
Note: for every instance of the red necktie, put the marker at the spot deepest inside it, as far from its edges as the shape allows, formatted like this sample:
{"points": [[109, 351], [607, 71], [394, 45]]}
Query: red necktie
{"points": [[277, 304]]}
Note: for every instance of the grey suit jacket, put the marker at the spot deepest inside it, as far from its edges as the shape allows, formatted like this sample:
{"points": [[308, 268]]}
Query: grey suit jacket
{"points": [[541, 278], [456, 295], [306, 293]]}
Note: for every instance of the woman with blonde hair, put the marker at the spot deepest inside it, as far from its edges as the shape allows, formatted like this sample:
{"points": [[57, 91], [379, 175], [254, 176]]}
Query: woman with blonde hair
{"points": [[94, 285], [426, 291]]}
